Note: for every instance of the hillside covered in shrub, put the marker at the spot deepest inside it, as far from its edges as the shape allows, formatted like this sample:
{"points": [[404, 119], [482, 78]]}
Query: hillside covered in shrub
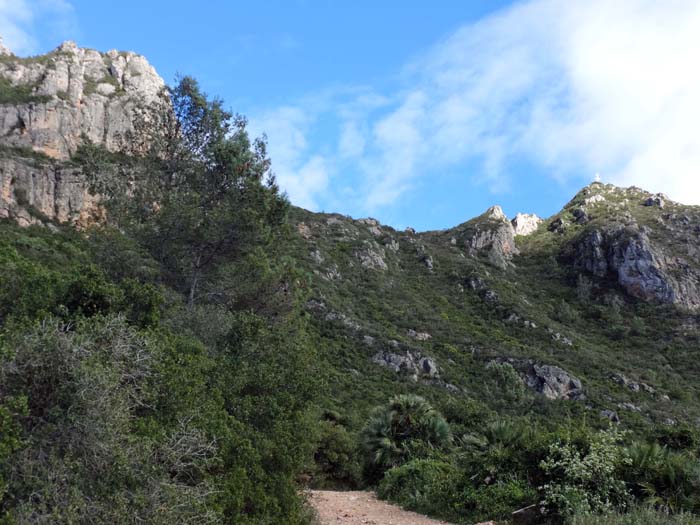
{"points": [[180, 344]]}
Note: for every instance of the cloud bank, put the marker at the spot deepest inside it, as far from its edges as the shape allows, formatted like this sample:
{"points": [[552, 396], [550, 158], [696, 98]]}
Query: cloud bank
{"points": [[572, 88]]}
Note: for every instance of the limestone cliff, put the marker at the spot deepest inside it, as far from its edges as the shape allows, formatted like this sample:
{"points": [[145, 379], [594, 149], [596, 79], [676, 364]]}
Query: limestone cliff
{"points": [[72, 93], [50, 104]]}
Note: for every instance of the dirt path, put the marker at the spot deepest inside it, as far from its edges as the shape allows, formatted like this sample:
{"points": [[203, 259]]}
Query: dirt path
{"points": [[361, 508]]}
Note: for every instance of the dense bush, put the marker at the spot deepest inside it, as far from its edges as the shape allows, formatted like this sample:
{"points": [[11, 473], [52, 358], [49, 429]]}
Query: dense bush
{"points": [[424, 485], [638, 516], [408, 427], [588, 481], [160, 371]]}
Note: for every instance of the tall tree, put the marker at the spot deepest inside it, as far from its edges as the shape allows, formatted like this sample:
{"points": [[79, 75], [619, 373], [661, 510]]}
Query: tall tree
{"points": [[201, 190]]}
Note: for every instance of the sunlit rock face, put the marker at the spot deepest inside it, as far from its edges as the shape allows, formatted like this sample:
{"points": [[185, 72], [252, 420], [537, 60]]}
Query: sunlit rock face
{"points": [[49, 105], [73, 94]]}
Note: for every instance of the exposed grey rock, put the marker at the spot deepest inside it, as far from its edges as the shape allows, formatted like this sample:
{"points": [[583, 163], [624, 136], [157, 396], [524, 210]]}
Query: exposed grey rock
{"points": [[343, 319], [553, 382], [33, 191], [84, 94], [610, 414], [514, 318], [490, 296], [525, 223], [560, 338], [634, 386], [594, 199], [409, 363], [642, 268], [656, 200], [491, 235], [558, 225], [332, 273], [630, 406], [428, 261], [372, 256], [428, 366], [549, 380], [304, 230], [317, 256], [418, 336], [581, 216], [391, 244]]}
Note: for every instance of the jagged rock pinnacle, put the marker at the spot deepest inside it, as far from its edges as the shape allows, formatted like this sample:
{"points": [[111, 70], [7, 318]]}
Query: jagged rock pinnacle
{"points": [[496, 212]]}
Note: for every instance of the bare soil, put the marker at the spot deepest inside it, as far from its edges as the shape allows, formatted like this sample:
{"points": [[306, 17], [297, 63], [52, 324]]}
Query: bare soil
{"points": [[361, 508]]}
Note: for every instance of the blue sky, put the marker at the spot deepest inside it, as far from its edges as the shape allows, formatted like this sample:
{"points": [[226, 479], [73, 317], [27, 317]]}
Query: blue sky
{"points": [[424, 114]]}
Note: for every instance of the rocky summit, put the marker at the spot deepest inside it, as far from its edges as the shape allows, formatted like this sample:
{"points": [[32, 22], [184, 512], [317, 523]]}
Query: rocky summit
{"points": [[49, 105], [74, 94]]}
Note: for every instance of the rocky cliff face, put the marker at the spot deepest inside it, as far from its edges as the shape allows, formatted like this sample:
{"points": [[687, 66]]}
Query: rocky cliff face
{"points": [[490, 235], [73, 93], [32, 192], [645, 242], [645, 270], [50, 104]]}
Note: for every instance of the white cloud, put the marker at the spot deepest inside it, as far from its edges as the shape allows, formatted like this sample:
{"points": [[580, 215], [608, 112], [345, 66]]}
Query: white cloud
{"points": [[301, 175], [23, 22], [15, 19], [570, 87], [578, 87]]}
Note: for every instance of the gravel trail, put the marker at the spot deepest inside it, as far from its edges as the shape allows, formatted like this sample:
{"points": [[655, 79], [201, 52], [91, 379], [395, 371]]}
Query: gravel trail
{"points": [[362, 508]]}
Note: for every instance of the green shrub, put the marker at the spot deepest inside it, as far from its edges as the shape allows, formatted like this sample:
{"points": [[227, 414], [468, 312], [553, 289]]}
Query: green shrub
{"points": [[336, 457], [423, 485], [495, 501], [588, 481], [664, 478], [637, 516], [20, 94], [408, 427]]}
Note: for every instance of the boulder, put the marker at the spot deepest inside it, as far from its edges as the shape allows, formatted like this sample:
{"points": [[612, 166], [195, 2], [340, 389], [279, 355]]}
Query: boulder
{"points": [[371, 256], [419, 336], [553, 382], [610, 414], [409, 363]]}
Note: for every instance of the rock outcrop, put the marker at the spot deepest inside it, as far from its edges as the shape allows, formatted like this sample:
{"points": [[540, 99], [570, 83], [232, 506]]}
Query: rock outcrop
{"points": [[491, 235], [549, 380], [31, 192], [74, 93], [525, 223], [409, 363], [52, 104], [644, 269], [553, 382]]}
